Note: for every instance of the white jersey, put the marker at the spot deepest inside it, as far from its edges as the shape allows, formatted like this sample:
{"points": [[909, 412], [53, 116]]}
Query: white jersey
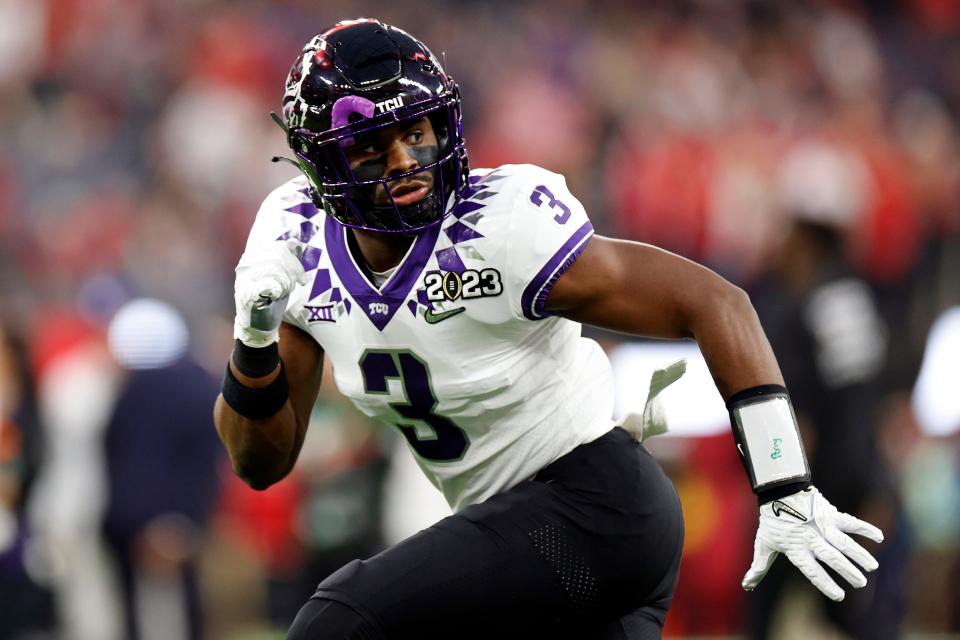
{"points": [[455, 348]]}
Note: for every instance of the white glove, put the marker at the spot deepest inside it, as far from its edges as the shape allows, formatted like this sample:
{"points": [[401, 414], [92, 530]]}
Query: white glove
{"points": [[261, 290], [809, 530]]}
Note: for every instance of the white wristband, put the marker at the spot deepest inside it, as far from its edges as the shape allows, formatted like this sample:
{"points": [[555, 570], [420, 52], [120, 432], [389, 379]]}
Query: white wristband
{"points": [[766, 433]]}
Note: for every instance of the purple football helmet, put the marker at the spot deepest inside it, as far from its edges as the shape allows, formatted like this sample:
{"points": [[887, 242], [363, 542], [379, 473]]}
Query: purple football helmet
{"points": [[352, 80]]}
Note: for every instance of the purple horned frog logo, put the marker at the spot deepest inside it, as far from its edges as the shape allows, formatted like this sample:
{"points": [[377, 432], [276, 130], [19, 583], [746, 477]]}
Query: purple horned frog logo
{"points": [[348, 106]]}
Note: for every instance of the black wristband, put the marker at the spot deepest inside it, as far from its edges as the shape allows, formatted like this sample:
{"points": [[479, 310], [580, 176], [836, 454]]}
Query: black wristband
{"points": [[770, 490], [782, 491], [255, 362], [256, 403], [752, 393]]}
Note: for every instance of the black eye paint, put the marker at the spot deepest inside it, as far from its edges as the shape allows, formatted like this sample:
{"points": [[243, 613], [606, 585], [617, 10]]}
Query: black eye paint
{"points": [[371, 169], [374, 168], [425, 154]]}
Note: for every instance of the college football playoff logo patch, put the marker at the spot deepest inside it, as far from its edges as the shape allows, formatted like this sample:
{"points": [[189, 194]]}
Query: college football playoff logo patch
{"points": [[467, 285]]}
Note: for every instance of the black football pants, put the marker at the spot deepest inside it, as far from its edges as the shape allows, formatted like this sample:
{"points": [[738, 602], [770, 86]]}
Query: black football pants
{"points": [[588, 549]]}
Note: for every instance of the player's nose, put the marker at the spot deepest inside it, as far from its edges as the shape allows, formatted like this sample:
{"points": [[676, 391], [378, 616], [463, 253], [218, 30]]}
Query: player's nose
{"points": [[399, 158]]}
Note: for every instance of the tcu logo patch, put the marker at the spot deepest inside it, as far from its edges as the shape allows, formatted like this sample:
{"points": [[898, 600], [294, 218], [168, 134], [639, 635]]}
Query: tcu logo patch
{"points": [[390, 105], [469, 284], [379, 307]]}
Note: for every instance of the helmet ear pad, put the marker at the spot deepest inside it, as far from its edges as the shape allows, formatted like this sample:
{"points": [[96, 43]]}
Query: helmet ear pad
{"points": [[441, 129], [447, 179]]}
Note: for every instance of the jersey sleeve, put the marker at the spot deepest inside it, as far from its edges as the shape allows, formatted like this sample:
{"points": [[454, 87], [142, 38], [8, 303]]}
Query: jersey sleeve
{"points": [[548, 230], [276, 220]]}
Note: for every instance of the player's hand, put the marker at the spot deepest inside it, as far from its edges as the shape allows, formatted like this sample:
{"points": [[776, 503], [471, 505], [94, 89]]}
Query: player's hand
{"points": [[809, 530], [261, 291]]}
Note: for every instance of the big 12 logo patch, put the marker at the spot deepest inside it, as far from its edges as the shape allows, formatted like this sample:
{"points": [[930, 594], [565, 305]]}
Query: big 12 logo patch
{"points": [[467, 285]]}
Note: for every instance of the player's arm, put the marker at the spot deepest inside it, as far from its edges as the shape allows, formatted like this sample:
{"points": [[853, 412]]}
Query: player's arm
{"points": [[639, 289], [264, 449], [642, 290], [273, 376]]}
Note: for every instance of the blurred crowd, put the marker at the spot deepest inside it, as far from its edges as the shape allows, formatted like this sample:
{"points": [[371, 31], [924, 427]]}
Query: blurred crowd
{"points": [[808, 151]]}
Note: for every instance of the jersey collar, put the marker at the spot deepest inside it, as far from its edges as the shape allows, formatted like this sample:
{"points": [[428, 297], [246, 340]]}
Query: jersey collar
{"points": [[378, 305]]}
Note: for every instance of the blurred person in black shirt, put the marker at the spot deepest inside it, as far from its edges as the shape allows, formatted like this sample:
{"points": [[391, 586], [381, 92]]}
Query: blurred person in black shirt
{"points": [[162, 461], [832, 343]]}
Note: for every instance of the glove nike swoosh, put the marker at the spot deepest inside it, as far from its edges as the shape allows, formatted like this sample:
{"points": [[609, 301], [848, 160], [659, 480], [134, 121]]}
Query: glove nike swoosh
{"points": [[778, 506]]}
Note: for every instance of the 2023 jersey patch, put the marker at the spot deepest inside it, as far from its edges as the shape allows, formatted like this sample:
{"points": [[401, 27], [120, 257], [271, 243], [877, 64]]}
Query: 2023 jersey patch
{"points": [[467, 285]]}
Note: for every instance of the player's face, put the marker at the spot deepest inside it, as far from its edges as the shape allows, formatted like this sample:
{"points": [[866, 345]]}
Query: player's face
{"points": [[393, 151]]}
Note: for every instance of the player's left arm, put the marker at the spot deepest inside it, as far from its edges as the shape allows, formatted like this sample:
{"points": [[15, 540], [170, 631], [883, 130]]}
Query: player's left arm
{"points": [[642, 290]]}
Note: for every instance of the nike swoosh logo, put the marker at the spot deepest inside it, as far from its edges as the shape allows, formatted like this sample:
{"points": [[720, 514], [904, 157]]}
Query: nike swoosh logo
{"points": [[433, 318], [778, 506]]}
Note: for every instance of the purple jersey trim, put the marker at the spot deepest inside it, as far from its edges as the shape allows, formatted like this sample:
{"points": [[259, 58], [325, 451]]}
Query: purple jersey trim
{"points": [[380, 306], [535, 294]]}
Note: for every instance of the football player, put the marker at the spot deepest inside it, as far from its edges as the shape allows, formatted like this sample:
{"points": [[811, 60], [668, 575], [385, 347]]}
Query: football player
{"points": [[450, 302]]}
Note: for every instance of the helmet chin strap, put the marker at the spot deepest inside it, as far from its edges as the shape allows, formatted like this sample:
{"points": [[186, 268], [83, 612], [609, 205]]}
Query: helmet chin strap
{"points": [[280, 123], [285, 159]]}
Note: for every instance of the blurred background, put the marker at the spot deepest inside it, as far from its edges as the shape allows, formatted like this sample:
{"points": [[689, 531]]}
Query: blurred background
{"points": [[808, 151]]}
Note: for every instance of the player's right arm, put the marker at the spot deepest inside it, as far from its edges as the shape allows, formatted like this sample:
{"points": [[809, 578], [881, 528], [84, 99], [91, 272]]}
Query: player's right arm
{"points": [[273, 376], [264, 450]]}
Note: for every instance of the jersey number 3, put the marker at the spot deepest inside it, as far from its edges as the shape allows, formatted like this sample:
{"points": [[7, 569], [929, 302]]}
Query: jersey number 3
{"points": [[448, 442], [543, 196]]}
